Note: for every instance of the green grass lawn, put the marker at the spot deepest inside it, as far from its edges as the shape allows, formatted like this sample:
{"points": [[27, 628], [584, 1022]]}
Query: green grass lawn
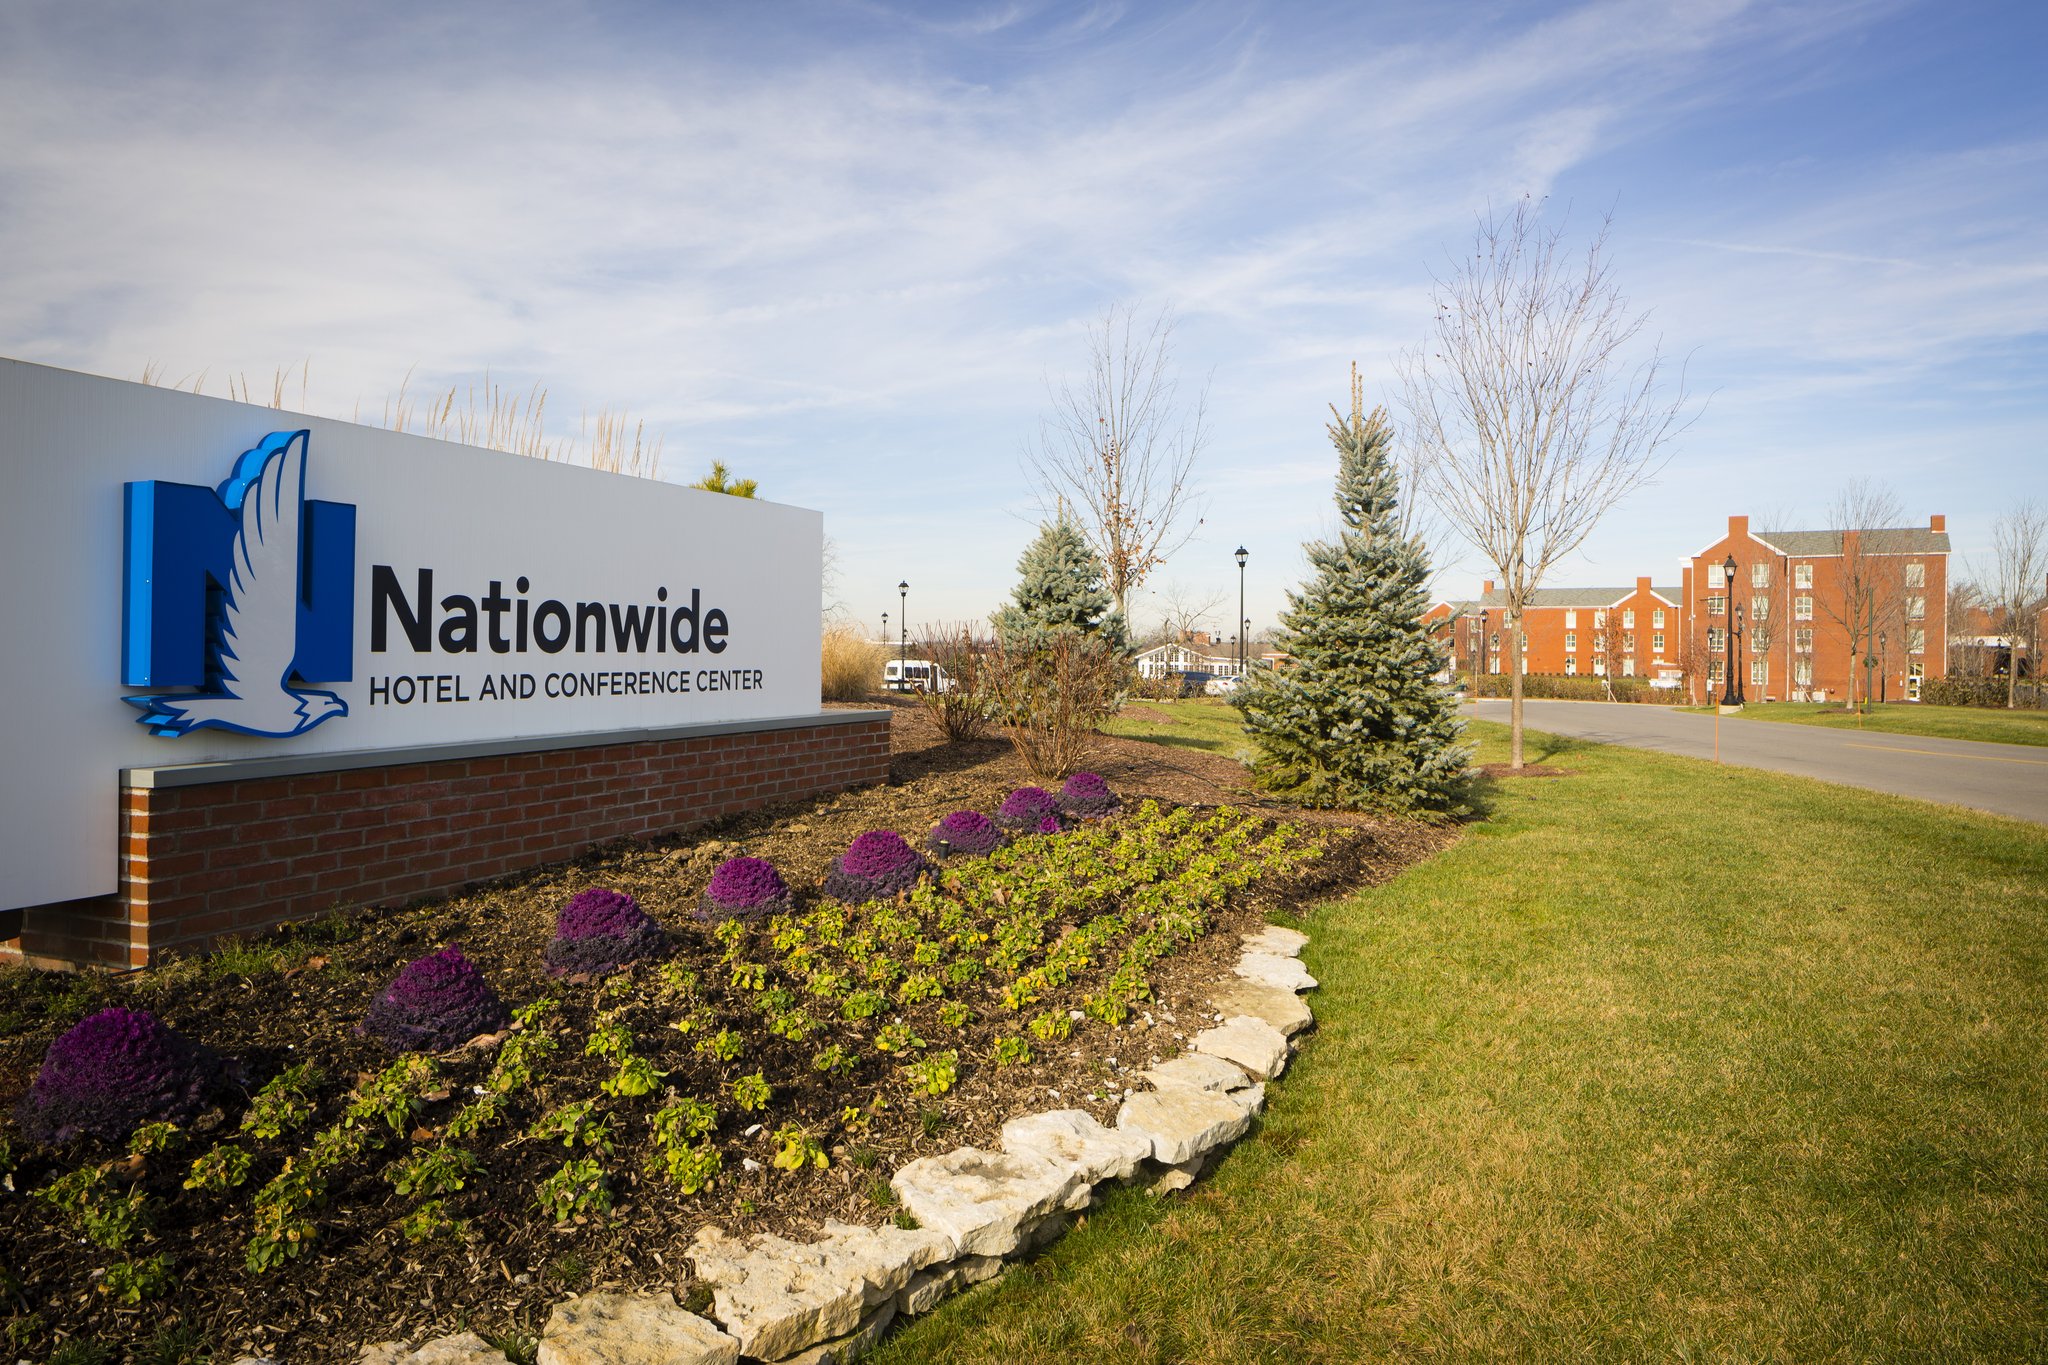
{"points": [[1663, 1062], [1942, 722], [1197, 723]]}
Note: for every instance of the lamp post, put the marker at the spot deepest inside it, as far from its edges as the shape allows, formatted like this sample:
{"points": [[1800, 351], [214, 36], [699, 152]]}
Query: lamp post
{"points": [[903, 635], [1476, 680], [1242, 556], [1731, 695], [885, 628], [1883, 667]]}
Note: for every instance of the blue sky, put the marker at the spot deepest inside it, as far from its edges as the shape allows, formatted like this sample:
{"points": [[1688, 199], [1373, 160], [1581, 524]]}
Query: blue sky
{"points": [[844, 247]]}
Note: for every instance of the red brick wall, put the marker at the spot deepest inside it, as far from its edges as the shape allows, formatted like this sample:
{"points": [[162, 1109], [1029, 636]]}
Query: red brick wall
{"points": [[239, 856]]}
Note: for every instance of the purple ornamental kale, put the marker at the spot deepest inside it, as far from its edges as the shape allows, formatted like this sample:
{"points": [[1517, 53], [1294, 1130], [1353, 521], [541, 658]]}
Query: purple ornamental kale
{"points": [[876, 866], [601, 930], [964, 831], [1087, 796], [1049, 825], [1026, 808], [747, 888], [112, 1072], [434, 1004]]}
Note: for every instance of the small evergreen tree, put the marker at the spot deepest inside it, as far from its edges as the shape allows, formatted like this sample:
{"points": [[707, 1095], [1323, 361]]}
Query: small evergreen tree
{"points": [[1060, 589], [1359, 720], [720, 481]]}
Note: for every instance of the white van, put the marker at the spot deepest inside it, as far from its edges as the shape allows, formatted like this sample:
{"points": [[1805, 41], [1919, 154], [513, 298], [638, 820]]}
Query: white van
{"points": [[915, 675]]}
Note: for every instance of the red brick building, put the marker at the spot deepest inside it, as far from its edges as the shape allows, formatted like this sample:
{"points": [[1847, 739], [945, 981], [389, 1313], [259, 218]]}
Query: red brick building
{"points": [[1595, 632], [1811, 603]]}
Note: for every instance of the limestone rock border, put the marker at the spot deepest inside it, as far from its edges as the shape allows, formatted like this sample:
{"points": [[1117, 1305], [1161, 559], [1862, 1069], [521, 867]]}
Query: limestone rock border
{"points": [[828, 1302]]}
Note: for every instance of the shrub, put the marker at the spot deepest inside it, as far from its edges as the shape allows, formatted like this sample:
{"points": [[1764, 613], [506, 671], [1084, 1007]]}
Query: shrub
{"points": [[110, 1073], [435, 1003], [1053, 701], [1026, 808], [964, 831], [599, 931], [963, 710], [1087, 795], [1980, 692], [1581, 687], [850, 666], [876, 866], [744, 887]]}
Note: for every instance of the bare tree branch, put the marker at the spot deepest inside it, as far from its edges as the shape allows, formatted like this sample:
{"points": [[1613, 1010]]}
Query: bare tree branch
{"points": [[1528, 418], [2019, 561], [1118, 449], [1871, 579]]}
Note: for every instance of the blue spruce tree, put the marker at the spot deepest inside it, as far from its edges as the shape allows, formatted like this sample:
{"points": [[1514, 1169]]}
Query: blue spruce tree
{"points": [[1358, 721], [1060, 589]]}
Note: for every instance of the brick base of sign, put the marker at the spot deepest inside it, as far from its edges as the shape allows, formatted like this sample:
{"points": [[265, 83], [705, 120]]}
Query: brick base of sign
{"points": [[226, 849]]}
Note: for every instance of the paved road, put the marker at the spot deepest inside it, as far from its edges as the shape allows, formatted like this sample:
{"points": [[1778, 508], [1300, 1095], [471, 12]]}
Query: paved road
{"points": [[2006, 779]]}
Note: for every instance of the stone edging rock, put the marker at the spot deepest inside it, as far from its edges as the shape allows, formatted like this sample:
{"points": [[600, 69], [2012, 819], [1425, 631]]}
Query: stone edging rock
{"points": [[827, 1302]]}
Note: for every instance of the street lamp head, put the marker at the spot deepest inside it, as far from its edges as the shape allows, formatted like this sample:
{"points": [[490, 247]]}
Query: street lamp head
{"points": [[1728, 569], [903, 586], [1242, 556]]}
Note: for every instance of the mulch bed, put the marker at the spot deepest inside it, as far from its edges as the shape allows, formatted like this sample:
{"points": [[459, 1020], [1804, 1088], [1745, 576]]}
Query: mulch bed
{"points": [[365, 1283]]}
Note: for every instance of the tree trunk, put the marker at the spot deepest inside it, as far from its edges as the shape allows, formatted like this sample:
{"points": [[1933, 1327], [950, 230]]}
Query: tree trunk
{"points": [[1515, 694]]}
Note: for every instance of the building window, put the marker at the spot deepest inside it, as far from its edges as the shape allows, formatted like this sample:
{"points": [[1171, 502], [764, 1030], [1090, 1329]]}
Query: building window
{"points": [[1628, 616], [1715, 576], [1802, 672], [1571, 617], [1599, 619], [1802, 640], [1916, 574], [1916, 641], [1599, 666], [1717, 639], [1802, 575], [1802, 608], [1600, 643], [1717, 606], [1716, 670], [1571, 640], [1628, 666], [1760, 574], [1759, 608], [1657, 644], [1628, 642], [1759, 672], [1571, 666], [1657, 618], [1916, 608]]}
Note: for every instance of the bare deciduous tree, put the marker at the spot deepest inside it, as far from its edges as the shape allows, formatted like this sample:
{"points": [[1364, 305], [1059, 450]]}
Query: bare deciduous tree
{"points": [[1530, 418], [1183, 609], [1119, 448], [1870, 597], [2019, 559]]}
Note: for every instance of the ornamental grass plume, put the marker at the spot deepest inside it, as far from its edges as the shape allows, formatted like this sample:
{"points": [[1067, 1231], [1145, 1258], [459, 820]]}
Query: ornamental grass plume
{"points": [[110, 1073], [744, 888], [1087, 796], [599, 931], [876, 866], [435, 1003], [1026, 809], [964, 832]]}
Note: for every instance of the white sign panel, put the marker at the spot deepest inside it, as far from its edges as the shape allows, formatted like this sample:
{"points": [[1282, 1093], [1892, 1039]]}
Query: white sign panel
{"points": [[194, 580]]}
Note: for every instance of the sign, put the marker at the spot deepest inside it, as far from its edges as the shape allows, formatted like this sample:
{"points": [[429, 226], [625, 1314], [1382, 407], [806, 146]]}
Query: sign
{"points": [[202, 581]]}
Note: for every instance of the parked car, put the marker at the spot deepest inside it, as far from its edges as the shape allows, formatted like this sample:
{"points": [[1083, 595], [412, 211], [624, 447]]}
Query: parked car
{"points": [[915, 675], [1220, 687], [1194, 682]]}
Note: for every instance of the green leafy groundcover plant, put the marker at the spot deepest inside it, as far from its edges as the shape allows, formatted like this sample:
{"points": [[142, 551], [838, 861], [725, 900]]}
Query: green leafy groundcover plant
{"points": [[817, 1025]]}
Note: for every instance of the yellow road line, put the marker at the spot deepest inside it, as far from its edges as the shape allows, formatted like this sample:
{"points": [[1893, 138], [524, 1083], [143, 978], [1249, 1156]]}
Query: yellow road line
{"points": [[1943, 753]]}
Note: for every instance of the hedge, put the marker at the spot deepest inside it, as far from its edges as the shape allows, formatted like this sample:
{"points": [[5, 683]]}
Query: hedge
{"points": [[1581, 687]]}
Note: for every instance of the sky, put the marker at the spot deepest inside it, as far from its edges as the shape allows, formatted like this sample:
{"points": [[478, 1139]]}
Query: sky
{"points": [[850, 248]]}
